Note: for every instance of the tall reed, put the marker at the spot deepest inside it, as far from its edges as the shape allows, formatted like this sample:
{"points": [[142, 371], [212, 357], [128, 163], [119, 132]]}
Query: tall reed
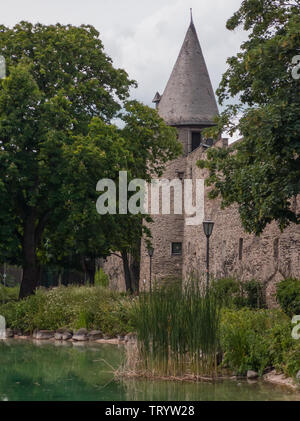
{"points": [[178, 330]]}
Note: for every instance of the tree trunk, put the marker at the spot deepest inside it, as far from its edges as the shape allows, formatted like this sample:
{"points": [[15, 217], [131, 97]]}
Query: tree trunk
{"points": [[135, 267], [90, 269], [30, 265], [128, 281]]}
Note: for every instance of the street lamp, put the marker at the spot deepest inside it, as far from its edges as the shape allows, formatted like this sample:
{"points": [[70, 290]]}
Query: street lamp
{"points": [[150, 254], [208, 226]]}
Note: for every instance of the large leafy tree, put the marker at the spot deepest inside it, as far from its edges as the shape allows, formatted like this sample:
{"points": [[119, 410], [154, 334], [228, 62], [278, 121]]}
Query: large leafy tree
{"points": [[261, 172], [56, 142]]}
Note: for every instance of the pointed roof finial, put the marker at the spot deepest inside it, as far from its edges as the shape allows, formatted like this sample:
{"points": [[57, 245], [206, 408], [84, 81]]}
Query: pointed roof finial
{"points": [[191, 10]]}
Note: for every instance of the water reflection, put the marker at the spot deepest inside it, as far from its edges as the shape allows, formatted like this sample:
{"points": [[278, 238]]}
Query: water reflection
{"points": [[65, 371]]}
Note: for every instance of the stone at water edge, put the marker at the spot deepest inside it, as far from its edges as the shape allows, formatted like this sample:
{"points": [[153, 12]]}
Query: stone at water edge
{"points": [[66, 335], [298, 375], [81, 335], [44, 334], [252, 374], [63, 334], [95, 334]]}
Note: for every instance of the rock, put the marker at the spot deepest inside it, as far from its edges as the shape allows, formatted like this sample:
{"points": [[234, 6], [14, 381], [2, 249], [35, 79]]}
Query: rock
{"points": [[95, 334], [44, 334], [252, 374], [63, 334], [17, 332], [66, 335], [298, 375], [81, 335], [9, 333]]}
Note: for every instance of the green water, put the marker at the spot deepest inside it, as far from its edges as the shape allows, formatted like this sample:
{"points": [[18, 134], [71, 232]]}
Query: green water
{"points": [[65, 371]]}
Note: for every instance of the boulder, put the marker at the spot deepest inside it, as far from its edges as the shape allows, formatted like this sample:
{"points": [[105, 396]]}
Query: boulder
{"points": [[44, 334], [298, 375], [252, 374], [95, 334], [81, 335], [63, 334], [66, 335]]}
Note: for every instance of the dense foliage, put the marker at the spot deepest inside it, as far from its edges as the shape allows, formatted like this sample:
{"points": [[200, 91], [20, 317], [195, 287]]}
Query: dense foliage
{"points": [[56, 107], [72, 307], [234, 293], [288, 296], [259, 340]]}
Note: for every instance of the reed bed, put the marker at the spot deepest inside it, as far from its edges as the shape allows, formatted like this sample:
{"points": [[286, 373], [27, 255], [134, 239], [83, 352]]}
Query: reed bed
{"points": [[178, 331]]}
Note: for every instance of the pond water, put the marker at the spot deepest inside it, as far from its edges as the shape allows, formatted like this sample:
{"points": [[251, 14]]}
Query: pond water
{"points": [[84, 372]]}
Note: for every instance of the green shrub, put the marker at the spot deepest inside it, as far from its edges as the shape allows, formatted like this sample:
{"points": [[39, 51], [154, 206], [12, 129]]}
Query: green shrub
{"points": [[226, 290], [101, 278], [233, 293], [254, 293], [8, 293], [258, 340], [288, 296], [73, 307]]}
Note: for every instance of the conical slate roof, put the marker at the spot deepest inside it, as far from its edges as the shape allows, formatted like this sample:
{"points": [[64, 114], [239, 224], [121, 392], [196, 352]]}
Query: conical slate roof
{"points": [[189, 98]]}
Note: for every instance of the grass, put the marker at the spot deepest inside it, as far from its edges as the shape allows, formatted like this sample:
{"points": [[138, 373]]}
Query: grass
{"points": [[178, 331]]}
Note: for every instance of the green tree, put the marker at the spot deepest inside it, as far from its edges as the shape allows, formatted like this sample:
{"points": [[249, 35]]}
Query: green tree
{"points": [[57, 141], [261, 172], [141, 148], [59, 78]]}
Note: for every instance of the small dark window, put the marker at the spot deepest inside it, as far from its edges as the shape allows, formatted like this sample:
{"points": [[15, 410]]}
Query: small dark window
{"points": [[276, 248], [196, 140], [176, 248], [241, 242]]}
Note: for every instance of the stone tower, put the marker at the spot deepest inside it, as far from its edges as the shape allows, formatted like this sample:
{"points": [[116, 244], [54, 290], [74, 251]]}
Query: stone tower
{"points": [[188, 103]]}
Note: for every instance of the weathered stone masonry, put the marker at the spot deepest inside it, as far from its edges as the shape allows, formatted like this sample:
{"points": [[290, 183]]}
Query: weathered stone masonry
{"points": [[188, 103]]}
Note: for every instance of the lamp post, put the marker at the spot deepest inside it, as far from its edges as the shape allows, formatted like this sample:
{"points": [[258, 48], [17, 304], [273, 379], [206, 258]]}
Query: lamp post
{"points": [[208, 226], [150, 254]]}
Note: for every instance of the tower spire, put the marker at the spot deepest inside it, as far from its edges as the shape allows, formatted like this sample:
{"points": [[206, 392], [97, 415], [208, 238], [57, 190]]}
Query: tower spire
{"points": [[191, 10], [189, 98]]}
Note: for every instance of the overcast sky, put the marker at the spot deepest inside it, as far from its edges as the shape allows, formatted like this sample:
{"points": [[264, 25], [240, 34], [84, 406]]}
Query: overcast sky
{"points": [[142, 36]]}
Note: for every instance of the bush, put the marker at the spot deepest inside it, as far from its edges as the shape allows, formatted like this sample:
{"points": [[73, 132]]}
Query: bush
{"points": [[233, 293], [101, 278], [9, 293], [258, 340], [72, 307], [288, 296]]}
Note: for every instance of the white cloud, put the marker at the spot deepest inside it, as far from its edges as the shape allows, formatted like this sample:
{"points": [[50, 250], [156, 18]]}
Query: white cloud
{"points": [[144, 37]]}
